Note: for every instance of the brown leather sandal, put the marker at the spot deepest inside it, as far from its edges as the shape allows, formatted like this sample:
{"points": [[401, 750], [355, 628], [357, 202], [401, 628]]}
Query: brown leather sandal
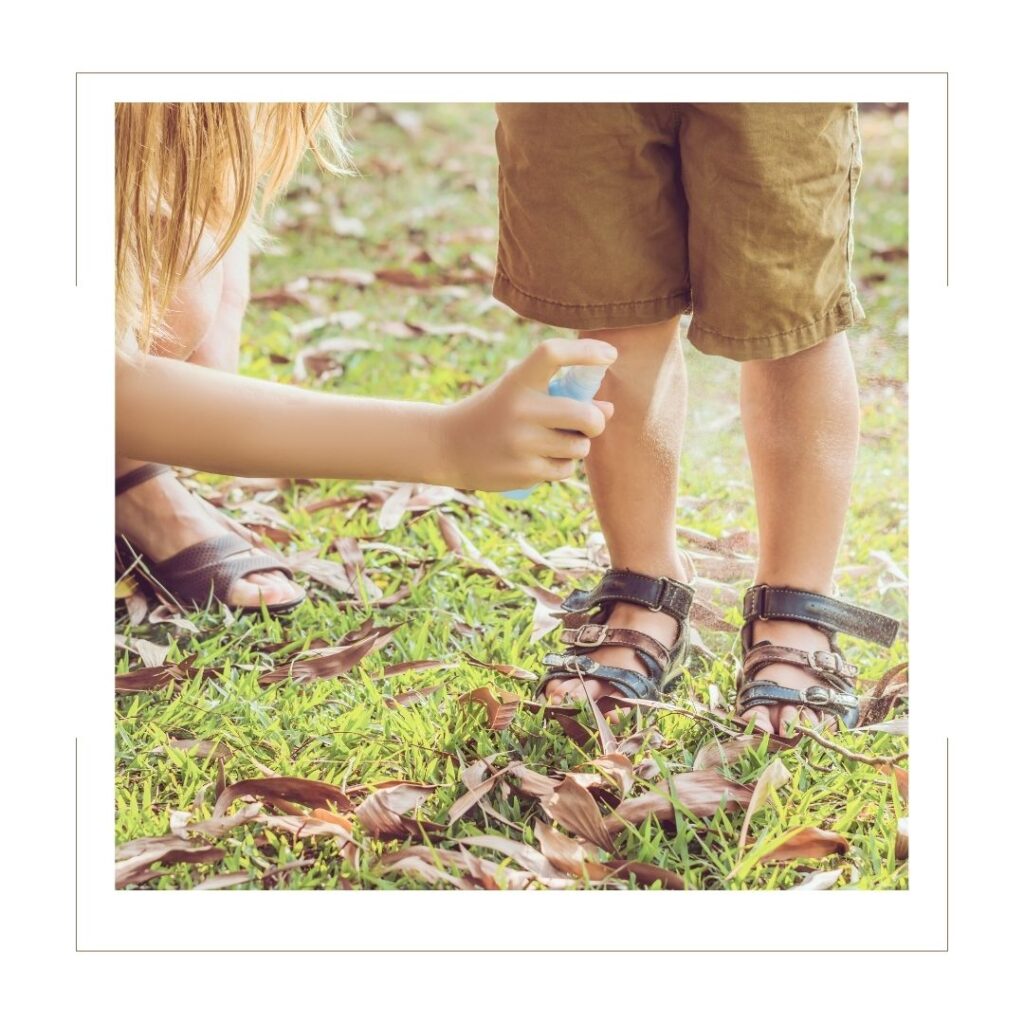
{"points": [[209, 567], [587, 632], [835, 694]]}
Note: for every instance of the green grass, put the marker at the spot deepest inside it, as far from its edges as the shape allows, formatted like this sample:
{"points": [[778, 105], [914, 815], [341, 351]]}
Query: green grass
{"points": [[435, 194]]}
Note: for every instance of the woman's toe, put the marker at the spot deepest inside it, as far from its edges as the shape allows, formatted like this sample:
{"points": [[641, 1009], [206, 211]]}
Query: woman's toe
{"points": [[268, 588]]}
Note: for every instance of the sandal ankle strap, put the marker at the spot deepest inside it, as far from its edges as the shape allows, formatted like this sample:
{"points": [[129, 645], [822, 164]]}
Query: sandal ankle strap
{"points": [[765, 602], [660, 594], [139, 475]]}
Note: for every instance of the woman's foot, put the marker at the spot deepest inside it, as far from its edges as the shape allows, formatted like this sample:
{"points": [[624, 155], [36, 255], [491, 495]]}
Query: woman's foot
{"points": [[779, 719], [160, 517]]}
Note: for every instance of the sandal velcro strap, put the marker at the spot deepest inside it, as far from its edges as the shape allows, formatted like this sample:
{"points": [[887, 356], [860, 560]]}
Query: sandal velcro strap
{"points": [[659, 594], [764, 602], [628, 682], [822, 663], [594, 634]]}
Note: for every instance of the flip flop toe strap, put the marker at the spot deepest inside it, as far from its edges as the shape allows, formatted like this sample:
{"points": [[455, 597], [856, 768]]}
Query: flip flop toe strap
{"points": [[213, 565]]}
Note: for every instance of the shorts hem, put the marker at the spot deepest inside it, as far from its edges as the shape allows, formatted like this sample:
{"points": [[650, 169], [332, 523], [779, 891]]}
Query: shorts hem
{"points": [[585, 317], [847, 312]]}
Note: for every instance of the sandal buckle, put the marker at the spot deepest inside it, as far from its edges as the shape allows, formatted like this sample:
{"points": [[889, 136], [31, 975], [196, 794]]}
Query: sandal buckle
{"points": [[817, 696], [825, 661], [590, 635], [663, 580]]}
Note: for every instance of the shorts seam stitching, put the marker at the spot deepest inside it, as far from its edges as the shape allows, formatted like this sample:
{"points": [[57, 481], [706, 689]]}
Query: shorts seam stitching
{"points": [[589, 305], [837, 308]]}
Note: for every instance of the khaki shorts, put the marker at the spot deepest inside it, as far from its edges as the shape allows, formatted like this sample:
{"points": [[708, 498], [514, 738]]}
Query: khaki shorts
{"points": [[621, 214]]}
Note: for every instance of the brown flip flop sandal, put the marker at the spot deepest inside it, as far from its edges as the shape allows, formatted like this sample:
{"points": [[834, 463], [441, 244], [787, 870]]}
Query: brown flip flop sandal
{"points": [[208, 567]]}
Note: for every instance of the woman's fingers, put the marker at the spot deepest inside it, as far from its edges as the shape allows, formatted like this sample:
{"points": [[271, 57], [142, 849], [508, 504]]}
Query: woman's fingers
{"points": [[567, 414]]}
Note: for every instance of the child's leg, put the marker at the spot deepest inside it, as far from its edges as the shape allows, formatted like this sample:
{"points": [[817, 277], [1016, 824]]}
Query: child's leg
{"points": [[160, 517], [800, 416], [633, 470]]}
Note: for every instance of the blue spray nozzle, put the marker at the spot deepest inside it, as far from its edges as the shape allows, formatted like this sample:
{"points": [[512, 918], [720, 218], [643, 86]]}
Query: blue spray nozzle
{"points": [[578, 382]]}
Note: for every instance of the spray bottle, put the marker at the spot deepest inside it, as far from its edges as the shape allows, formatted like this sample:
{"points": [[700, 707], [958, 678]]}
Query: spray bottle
{"points": [[579, 382]]}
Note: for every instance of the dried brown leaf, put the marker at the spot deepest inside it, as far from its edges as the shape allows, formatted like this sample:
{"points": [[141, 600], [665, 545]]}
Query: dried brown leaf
{"points": [[575, 809], [773, 776], [310, 792], [523, 854], [701, 792], [403, 700], [902, 849], [569, 855], [501, 705], [336, 662], [530, 782], [395, 507], [506, 670], [153, 678], [382, 813], [718, 753], [805, 842]]}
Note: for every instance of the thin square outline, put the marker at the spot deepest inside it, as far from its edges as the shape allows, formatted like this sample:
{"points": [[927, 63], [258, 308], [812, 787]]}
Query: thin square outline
{"points": [[944, 949]]}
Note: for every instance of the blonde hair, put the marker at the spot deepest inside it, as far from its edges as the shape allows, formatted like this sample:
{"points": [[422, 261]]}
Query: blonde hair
{"points": [[184, 168]]}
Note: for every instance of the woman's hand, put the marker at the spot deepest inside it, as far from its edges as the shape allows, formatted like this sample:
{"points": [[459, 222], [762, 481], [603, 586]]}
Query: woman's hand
{"points": [[513, 434]]}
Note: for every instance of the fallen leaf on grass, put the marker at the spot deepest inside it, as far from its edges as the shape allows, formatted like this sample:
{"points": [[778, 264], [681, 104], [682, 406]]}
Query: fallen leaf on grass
{"points": [[897, 727], [219, 825], [382, 813], [416, 666], [566, 718], [902, 779], [134, 861], [155, 678], [506, 670], [321, 814], [771, 778], [804, 842], [420, 862], [645, 874], [403, 700], [394, 508], [327, 357], [546, 613], [530, 782], [223, 881], [818, 881], [456, 542], [524, 855], [718, 753], [355, 568], [346, 319], [336, 662], [310, 792], [201, 748], [345, 275], [701, 792], [477, 787], [569, 855], [501, 705], [152, 655], [618, 770], [902, 847], [330, 574], [575, 809]]}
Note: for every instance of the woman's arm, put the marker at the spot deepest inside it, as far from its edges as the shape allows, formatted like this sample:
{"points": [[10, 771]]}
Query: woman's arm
{"points": [[508, 435]]}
